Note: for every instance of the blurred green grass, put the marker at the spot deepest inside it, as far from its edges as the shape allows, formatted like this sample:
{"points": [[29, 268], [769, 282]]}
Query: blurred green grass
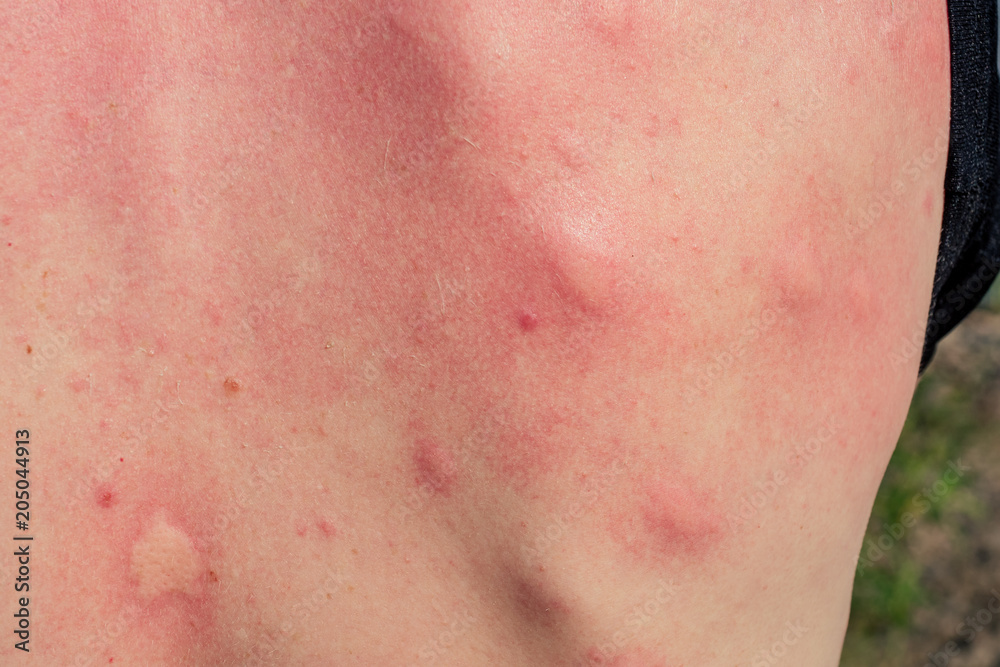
{"points": [[907, 596]]}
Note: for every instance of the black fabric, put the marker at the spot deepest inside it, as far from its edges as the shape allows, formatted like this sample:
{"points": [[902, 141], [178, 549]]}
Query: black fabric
{"points": [[969, 251]]}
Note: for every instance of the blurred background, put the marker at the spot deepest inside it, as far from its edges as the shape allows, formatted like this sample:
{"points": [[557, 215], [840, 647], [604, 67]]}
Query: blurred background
{"points": [[927, 588]]}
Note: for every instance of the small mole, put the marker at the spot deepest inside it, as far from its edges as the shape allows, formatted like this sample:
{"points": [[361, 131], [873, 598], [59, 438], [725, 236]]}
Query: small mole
{"points": [[29, 349], [231, 385], [528, 321], [212, 576]]}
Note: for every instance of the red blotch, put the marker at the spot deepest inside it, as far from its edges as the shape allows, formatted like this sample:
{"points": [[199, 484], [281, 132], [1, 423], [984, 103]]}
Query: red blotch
{"points": [[106, 496], [633, 658], [928, 204], [680, 520], [435, 467], [528, 321], [615, 24], [326, 527], [670, 519], [675, 126]]}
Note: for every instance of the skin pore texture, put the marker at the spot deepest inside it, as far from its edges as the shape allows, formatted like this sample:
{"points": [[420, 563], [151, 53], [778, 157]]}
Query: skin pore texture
{"points": [[522, 333]]}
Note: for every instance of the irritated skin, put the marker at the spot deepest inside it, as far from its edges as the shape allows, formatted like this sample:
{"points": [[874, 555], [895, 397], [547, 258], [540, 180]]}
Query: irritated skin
{"points": [[461, 333]]}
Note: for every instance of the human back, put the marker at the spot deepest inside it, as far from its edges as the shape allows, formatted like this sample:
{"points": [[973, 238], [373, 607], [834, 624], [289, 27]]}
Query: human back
{"points": [[504, 334]]}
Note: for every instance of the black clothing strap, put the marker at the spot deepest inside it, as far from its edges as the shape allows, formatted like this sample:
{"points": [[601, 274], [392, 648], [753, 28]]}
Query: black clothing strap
{"points": [[969, 250]]}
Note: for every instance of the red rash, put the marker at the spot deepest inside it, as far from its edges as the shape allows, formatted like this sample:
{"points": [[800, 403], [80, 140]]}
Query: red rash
{"points": [[478, 258], [105, 496], [473, 274], [628, 658], [491, 298], [435, 467], [161, 579]]}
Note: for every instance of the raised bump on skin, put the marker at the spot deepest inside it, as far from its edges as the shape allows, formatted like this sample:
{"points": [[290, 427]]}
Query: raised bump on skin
{"points": [[164, 560]]}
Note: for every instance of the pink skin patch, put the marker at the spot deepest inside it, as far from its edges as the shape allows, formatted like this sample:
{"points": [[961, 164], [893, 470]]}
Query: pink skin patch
{"points": [[670, 518], [106, 496], [435, 467], [79, 385], [597, 657], [528, 321], [326, 528]]}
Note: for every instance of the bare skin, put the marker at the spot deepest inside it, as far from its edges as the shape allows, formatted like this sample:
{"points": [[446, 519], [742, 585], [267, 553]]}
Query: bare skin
{"points": [[511, 334]]}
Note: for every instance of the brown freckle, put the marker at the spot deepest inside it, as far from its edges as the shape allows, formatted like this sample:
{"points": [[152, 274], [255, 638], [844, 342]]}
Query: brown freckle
{"points": [[231, 385], [29, 349], [212, 576]]}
